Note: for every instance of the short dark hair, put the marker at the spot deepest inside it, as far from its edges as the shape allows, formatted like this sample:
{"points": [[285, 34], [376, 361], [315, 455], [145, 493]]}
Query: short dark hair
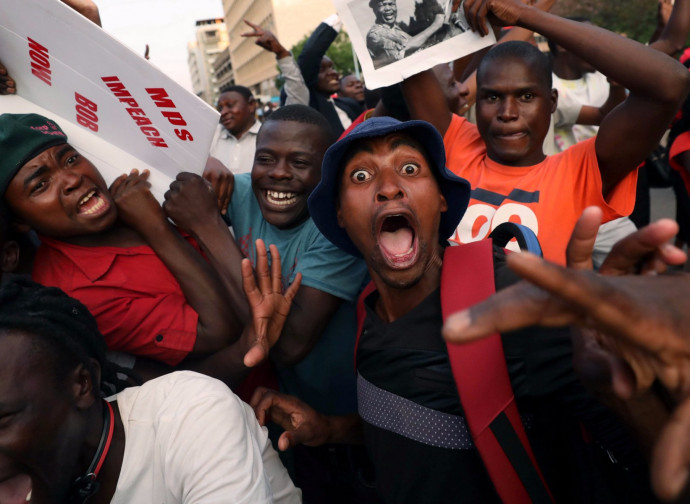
{"points": [[66, 326], [521, 51], [305, 115], [232, 88]]}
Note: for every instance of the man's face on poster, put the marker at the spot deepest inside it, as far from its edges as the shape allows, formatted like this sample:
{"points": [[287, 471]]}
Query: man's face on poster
{"points": [[386, 12]]}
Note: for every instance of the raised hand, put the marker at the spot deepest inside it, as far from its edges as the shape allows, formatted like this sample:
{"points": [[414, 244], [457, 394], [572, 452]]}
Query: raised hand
{"points": [[266, 39], [268, 304]]}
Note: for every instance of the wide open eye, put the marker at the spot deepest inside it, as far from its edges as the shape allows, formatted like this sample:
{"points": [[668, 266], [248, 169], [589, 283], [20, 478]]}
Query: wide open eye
{"points": [[360, 175], [410, 169]]}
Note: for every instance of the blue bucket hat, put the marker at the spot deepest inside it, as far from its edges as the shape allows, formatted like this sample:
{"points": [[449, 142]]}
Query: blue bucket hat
{"points": [[322, 201]]}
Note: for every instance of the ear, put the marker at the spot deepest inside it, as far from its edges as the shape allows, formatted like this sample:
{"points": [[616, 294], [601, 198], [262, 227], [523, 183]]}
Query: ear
{"points": [[10, 256], [252, 105], [444, 203], [554, 100], [84, 390], [339, 215]]}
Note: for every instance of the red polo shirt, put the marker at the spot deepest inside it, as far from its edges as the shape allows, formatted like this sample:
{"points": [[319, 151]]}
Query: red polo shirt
{"points": [[138, 304]]}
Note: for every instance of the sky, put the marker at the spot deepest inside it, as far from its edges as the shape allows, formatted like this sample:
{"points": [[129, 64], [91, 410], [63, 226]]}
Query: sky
{"points": [[166, 25]]}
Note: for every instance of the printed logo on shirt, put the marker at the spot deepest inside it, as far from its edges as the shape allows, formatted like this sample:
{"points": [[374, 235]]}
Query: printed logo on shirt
{"points": [[488, 209]]}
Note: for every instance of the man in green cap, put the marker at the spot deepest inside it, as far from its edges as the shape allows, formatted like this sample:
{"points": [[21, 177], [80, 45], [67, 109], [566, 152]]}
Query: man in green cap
{"points": [[115, 250]]}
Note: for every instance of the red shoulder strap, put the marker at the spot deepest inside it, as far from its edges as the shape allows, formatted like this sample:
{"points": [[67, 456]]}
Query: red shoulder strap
{"points": [[483, 383], [361, 313]]}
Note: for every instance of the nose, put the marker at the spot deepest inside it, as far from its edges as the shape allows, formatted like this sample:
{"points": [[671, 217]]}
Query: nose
{"points": [[70, 180], [508, 110], [389, 186], [463, 89], [281, 171]]}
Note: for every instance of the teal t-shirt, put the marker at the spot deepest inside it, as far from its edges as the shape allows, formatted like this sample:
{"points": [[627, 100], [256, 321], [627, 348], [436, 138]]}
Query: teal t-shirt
{"points": [[324, 379]]}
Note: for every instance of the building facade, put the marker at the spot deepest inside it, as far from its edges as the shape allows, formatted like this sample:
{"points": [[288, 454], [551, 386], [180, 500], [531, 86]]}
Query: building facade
{"points": [[290, 20], [210, 45]]}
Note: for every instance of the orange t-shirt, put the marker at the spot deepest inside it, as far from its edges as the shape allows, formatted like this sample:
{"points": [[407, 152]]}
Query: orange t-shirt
{"points": [[680, 144], [547, 197]]}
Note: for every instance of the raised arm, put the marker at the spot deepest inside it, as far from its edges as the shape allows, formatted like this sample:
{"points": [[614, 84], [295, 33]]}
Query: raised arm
{"points": [[315, 48], [295, 87], [675, 31], [656, 82]]}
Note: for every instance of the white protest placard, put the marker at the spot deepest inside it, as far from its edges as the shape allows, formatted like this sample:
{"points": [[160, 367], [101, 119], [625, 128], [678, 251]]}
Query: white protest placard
{"points": [[395, 39], [116, 107]]}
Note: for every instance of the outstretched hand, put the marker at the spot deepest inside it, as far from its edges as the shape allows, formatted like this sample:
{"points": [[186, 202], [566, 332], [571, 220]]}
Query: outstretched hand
{"points": [[632, 326], [266, 39], [268, 304], [302, 424]]}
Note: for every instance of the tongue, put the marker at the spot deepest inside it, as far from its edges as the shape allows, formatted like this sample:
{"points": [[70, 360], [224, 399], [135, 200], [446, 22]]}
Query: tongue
{"points": [[396, 242], [15, 490]]}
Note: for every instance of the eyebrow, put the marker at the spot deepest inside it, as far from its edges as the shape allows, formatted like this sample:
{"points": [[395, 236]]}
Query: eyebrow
{"points": [[399, 142], [34, 175], [43, 168]]}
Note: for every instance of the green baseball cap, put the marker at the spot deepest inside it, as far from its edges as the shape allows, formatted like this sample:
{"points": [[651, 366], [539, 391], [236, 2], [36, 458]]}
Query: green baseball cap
{"points": [[23, 137]]}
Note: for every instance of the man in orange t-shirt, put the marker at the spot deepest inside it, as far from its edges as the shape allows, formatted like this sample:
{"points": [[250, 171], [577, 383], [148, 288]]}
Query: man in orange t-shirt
{"points": [[502, 157]]}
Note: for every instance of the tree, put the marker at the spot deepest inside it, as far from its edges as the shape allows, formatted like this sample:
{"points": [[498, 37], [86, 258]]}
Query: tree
{"points": [[635, 19]]}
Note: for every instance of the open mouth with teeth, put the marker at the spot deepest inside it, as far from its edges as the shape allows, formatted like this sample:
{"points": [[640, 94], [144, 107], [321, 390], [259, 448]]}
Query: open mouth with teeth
{"points": [[398, 241], [280, 198], [92, 203]]}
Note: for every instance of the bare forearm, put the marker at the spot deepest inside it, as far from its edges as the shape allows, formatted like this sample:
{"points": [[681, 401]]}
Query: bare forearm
{"points": [[632, 65], [426, 101], [672, 38], [226, 258], [226, 365], [198, 282]]}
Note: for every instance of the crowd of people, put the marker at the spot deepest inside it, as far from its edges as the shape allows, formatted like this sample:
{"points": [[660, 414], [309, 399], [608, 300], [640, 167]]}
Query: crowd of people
{"points": [[426, 293]]}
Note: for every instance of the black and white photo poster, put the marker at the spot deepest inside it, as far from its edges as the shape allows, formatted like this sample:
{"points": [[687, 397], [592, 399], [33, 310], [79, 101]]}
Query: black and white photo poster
{"points": [[394, 39]]}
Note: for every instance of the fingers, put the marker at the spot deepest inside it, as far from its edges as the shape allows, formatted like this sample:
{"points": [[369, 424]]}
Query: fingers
{"points": [[258, 32], [518, 306], [256, 354], [645, 245], [262, 271], [670, 466], [7, 84], [581, 243], [276, 272], [291, 291]]}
